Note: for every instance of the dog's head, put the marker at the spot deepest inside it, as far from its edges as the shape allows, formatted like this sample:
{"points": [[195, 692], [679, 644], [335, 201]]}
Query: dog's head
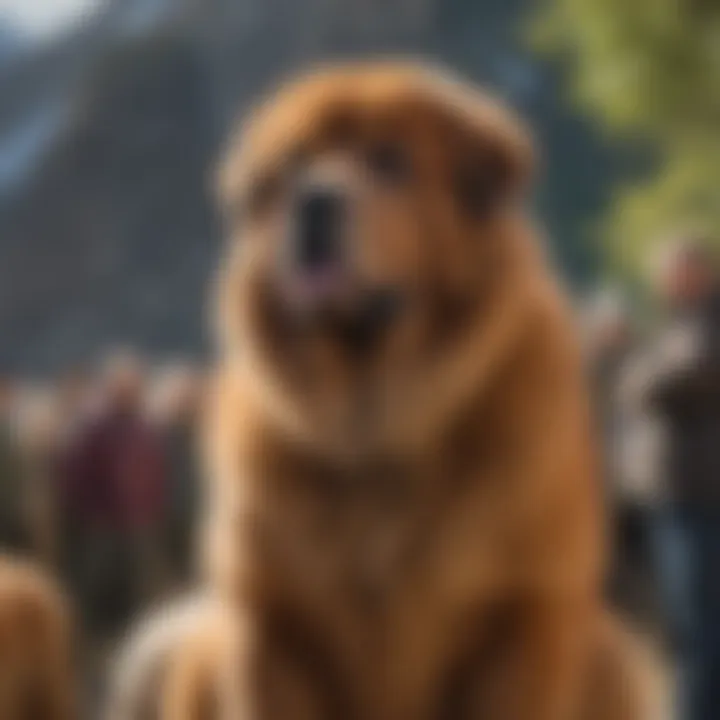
{"points": [[372, 213]]}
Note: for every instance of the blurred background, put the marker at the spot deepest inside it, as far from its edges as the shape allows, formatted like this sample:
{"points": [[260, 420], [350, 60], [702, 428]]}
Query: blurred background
{"points": [[113, 113]]}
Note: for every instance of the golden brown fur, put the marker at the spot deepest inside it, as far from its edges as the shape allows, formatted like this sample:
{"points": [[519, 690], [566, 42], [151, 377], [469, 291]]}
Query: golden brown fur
{"points": [[411, 532], [149, 655], [36, 675]]}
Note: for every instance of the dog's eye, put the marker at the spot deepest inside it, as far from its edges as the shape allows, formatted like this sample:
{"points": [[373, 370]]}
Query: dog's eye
{"points": [[389, 163], [341, 129], [263, 193]]}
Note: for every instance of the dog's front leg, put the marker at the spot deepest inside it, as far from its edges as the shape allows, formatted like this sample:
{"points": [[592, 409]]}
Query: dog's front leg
{"points": [[538, 672]]}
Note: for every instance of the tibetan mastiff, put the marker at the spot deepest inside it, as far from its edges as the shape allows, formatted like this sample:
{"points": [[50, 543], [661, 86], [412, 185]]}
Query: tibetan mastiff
{"points": [[404, 509]]}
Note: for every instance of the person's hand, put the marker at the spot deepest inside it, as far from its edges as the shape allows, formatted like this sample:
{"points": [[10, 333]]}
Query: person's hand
{"points": [[681, 346]]}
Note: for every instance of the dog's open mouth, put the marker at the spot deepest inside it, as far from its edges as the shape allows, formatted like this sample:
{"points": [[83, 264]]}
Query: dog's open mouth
{"points": [[358, 317], [367, 323]]}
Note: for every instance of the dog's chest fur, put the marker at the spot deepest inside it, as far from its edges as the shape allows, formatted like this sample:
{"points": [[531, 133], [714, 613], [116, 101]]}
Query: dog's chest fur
{"points": [[352, 531], [383, 563]]}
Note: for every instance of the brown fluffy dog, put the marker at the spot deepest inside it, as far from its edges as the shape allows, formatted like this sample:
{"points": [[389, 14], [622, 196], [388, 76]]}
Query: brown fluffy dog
{"points": [[405, 511], [36, 675]]}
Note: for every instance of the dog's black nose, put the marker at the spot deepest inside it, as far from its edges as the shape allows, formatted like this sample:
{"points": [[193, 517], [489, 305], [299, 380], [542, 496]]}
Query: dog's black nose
{"points": [[320, 220]]}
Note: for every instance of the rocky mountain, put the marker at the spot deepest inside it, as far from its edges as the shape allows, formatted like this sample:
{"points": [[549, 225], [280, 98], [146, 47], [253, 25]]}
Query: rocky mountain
{"points": [[108, 138], [11, 43]]}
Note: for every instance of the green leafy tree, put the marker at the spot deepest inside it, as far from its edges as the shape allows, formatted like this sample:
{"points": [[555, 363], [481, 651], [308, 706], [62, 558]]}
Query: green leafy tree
{"points": [[649, 71]]}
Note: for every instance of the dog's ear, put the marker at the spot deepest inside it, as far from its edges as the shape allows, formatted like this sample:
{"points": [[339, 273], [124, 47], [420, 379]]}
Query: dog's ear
{"points": [[244, 173], [487, 179], [492, 157]]}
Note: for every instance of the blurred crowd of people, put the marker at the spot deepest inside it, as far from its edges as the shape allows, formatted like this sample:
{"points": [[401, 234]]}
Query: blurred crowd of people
{"points": [[98, 480], [657, 388]]}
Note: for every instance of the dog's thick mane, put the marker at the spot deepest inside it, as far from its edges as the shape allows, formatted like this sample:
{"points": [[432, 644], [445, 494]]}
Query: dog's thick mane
{"points": [[267, 135], [467, 500], [471, 358]]}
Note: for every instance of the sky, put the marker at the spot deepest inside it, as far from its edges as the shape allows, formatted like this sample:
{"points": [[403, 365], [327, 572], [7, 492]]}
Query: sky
{"points": [[45, 17]]}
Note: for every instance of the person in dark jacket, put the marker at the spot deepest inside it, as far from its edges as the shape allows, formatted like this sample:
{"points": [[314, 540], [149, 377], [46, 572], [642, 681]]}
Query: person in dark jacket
{"points": [[680, 387], [113, 496]]}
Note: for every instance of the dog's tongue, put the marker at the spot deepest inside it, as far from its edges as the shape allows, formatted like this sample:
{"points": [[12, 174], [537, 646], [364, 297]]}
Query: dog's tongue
{"points": [[359, 317], [319, 289]]}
